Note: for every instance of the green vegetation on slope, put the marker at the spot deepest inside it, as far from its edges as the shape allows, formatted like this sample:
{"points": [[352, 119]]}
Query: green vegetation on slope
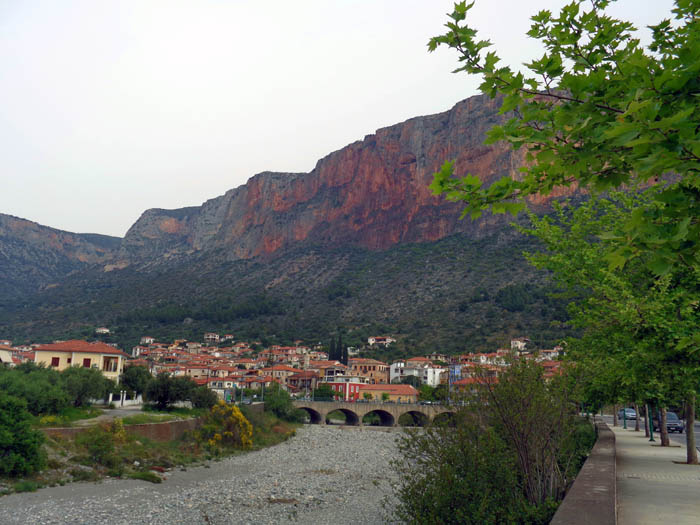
{"points": [[458, 294]]}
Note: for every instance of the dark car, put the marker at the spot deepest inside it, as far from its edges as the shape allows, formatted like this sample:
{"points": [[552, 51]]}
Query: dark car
{"points": [[673, 423]]}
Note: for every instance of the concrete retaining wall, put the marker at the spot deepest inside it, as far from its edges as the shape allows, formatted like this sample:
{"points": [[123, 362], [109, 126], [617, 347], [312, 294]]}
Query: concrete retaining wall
{"points": [[591, 499]]}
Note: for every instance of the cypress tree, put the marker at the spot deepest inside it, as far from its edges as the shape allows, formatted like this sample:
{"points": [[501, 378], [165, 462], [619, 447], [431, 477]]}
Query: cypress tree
{"points": [[332, 354], [342, 350]]}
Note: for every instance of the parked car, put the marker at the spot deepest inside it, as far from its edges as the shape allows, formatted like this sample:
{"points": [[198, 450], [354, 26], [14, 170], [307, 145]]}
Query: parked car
{"points": [[673, 423], [628, 413]]}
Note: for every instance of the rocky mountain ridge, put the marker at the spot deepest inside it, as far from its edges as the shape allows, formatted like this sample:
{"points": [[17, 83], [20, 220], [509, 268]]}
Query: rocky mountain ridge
{"points": [[372, 193]]}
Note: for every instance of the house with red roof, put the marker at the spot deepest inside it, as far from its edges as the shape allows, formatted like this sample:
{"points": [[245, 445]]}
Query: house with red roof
{"points": [[109, 360], [394, 393]]}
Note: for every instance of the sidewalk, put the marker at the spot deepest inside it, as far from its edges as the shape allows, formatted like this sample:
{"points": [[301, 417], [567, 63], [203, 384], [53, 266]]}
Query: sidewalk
{"points": [[651, 488]]}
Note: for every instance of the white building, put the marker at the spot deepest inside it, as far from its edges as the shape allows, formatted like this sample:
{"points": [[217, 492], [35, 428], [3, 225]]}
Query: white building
{"points": [[383, 341], [420, 368]]}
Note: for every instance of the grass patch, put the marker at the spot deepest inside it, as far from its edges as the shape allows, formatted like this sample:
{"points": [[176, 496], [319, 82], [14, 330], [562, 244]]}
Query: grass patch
{"points": [[66, 417], [26, 486], [146, 475], [140, 419], [79, 474], [180, 411]]}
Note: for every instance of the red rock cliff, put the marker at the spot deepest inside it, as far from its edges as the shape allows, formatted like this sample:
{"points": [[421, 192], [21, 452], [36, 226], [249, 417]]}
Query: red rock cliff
{"points": [[373, 193]]}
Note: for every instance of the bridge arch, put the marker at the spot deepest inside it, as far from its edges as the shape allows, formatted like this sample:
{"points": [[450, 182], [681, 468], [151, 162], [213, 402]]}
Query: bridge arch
{"points": [[351, 418], [315, 416], [414, 418], [386, 419], [445, 418]]}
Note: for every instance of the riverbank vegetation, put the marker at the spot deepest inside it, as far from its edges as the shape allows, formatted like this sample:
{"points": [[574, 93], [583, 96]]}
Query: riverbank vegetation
{"points": [[30, 458], [508, 456]]}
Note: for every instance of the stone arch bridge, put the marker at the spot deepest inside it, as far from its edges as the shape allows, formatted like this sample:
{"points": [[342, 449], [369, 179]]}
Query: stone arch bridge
{"points": [[389, 413]]}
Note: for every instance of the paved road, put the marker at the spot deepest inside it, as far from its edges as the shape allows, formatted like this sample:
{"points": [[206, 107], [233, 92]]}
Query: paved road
{"points": [[109, 414]]}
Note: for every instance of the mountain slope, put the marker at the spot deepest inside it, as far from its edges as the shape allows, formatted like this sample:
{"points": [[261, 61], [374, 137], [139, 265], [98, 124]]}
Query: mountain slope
{"points": [[33, 256], [359, 244]]}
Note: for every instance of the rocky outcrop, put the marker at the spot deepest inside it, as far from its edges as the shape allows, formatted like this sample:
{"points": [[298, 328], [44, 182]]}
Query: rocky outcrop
{"points": [[373, 193], [33, 256]]}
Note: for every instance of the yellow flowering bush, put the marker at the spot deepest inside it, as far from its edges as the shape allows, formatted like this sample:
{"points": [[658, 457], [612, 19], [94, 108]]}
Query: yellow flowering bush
{"points": [[225, 426], [116, 428], [50, 421]]}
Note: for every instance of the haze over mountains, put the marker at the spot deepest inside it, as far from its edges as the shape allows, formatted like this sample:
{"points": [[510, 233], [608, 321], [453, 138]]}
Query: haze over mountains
{"points": [[283, 236]]}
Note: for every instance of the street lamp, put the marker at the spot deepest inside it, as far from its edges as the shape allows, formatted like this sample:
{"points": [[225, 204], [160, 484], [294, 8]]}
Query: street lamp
{"points": [[650, 422]]}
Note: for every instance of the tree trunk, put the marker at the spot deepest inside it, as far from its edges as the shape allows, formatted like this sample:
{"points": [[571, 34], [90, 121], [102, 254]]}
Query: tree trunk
{"points": [[692, 452], [646, 420], [639, 416], [662, 428], [614, 415]]}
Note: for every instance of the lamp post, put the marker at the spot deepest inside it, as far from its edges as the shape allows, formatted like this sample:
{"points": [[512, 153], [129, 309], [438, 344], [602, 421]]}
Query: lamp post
{"points": [[650, 422], [624, 418]]}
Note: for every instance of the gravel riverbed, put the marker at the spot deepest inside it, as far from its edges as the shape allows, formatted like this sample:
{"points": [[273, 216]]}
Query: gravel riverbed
{"points": [[325, 474]]}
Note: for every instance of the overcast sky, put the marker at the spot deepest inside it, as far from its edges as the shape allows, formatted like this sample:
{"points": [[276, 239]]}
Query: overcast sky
{"points": [[109, 108]]}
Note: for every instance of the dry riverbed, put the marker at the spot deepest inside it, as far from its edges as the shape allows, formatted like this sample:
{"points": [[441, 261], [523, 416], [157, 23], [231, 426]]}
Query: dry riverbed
{"points": [[324, 474]]}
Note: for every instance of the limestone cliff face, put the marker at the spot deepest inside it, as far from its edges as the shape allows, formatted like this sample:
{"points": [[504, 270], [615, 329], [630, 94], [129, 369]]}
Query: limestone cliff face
{"points": [[373, 193]]}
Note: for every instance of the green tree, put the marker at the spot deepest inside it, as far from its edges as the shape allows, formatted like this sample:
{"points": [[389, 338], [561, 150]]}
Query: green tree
{"points": [[639, 329], [41, 388], [84, 384], [414, 381], [279, 402], [165, 390], [324, 392], [203, 397], [136, 378], [20, 446], [598, 111]]}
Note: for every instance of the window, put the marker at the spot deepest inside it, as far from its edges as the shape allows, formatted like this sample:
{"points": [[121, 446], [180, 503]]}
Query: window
{"points": [[54, 361], [86, 363], [109, 364]]}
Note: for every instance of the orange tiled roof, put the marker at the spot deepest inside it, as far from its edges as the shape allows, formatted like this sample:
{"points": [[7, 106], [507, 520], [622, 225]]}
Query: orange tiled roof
{"points": [[406, 390], [81, 347]]}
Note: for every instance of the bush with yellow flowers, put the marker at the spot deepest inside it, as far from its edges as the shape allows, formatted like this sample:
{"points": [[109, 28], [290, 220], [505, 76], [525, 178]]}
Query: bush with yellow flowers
{"points": [[225, 426]]}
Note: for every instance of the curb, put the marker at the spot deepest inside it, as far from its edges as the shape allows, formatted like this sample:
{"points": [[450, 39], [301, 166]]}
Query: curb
{"points": [[593, 498]]}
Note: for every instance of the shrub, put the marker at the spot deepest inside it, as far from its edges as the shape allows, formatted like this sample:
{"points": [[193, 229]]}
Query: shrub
{"points": [[20, 445], [101, 443], [225, 426], [79, 474], [461, 475], [26, 486], [146, 475], [508, 456]]}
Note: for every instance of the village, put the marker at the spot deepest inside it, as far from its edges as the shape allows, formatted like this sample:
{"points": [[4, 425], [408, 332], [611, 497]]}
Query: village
{"points": [[229, 367]]}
